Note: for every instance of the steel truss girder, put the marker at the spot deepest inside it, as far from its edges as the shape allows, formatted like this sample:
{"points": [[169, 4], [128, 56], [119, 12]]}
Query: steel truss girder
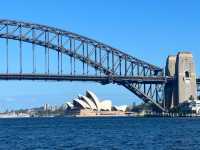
{"points": [[153, 95]]}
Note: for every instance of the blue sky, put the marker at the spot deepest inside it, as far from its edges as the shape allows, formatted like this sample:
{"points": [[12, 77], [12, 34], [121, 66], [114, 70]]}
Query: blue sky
{"points": [[149, 30]]}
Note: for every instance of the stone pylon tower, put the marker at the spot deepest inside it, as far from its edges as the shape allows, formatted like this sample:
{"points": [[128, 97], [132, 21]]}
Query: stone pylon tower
{"points": [[170, 88], [182, 68], [186, 77]]}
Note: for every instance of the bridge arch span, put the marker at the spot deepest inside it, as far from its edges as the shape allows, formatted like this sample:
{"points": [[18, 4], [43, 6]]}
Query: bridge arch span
{"points": [[107, 62]]}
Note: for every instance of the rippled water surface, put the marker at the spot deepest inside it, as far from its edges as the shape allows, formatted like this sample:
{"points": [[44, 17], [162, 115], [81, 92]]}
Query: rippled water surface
{"points": [[100, 133]]}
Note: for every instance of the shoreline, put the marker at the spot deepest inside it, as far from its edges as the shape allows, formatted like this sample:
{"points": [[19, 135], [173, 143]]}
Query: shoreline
{"points": [[104, 116]]}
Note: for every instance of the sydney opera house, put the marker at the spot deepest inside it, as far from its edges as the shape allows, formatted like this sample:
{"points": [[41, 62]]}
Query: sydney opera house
{"points": [[89, 105]]}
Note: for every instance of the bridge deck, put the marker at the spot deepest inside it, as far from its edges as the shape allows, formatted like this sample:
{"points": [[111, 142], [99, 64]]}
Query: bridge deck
{"points": [[103, 79]]}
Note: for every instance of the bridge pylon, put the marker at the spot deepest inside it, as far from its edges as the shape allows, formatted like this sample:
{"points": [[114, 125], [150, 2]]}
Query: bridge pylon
{"points": [[181, 67]]}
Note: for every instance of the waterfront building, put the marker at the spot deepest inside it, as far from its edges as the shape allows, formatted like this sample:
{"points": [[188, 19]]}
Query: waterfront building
{"points": [[91, 101], [90, 105], [67, 105], [120, 108], [53, 108], [46, 107]]}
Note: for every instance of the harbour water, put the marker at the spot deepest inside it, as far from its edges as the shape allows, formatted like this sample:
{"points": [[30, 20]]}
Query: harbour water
{"points": [[100, 133]]}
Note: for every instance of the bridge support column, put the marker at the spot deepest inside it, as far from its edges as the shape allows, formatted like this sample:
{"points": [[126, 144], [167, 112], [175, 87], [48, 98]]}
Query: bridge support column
{"points": [[171, 97], [182, 68], [186, 77]]}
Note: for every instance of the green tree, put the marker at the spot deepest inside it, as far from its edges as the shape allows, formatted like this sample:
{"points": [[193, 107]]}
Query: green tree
{"points": [[191, 97]]}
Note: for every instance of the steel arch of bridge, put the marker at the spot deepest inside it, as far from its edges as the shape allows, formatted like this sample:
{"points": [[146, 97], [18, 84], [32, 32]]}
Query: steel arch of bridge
{"points": [[88, 60]]}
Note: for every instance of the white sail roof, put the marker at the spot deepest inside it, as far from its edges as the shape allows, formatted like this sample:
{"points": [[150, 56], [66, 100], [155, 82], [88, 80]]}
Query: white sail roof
{"points": [[90, 102], [121, 108], [106, 105], [82, 103], [94, 98]]}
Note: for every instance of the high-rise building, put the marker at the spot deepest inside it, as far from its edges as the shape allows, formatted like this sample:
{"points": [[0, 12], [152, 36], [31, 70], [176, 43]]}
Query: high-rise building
{"points": [[46, 107]]}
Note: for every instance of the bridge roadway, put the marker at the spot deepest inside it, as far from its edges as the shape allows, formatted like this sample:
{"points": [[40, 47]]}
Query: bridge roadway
{"points": [[102, 79]]}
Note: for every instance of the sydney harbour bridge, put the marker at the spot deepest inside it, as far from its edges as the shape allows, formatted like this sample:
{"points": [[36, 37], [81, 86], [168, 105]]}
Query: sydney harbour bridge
{"points": [[38, 52]]}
